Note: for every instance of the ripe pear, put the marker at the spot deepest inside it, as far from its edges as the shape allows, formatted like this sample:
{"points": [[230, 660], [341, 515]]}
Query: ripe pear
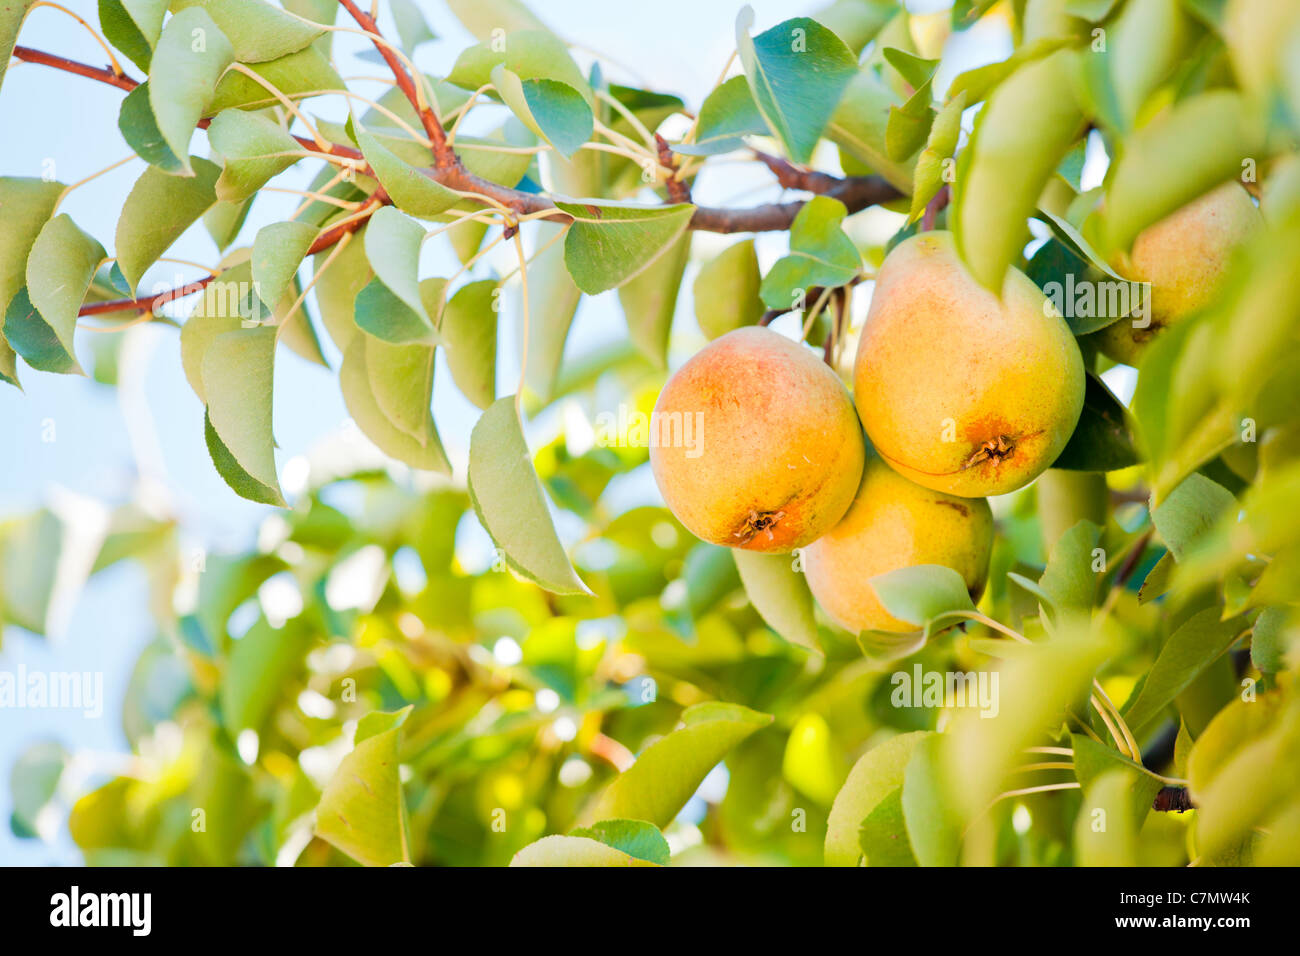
{"points": [[755, 444], [961, 391], [895, 523], [1184, 256]]}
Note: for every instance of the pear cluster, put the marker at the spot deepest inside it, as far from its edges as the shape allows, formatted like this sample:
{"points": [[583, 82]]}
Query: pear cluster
{"points": [[962, 394]]}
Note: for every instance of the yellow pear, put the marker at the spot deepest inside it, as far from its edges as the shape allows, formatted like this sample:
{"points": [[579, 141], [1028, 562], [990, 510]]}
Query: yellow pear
{"points": [[755, 444], [959, 390], [895, 523], [1184, 256]]}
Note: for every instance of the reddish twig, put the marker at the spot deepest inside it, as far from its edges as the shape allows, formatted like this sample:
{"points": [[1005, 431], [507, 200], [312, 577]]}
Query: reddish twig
{"points": [[678, 191], [933, 207]]}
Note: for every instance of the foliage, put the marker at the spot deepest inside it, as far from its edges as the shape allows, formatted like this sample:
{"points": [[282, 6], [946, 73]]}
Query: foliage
{"points": [[565, 698]]}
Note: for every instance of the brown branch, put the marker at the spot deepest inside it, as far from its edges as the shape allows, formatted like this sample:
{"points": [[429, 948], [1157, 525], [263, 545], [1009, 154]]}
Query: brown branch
{"points": [[442, 152], [678, 190], [791, 176]]}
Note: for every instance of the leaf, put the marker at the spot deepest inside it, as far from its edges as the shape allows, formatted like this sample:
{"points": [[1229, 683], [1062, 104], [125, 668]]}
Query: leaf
{"points": [[1189, 512], [469, 328], [1008, 161], [401, 379], [553, 110], [670, 770], [238, 368], [12, 13], [388, 318], [483, 17], [378, 721], [253, 149], [820, 254], [859, 126], [636, 838], [1103, 439], [362, 811], [411, 190], [727, 116], [921, 593], [928, 177], [909, 125], [552, 302], [157, 211], [224, 220], [278, 251], [877, 773], [139, 128], [260, 665], [511, 505], [25, 206], [1183, 153], [133, 26], [393, 243], [259, 31], [1115, 844], [779, 594], [233, 473], [932, 829], [649, 301], [337, 286], [33, 782], [190, 57], [528, 54], [1197, 644], [356, 378], [610, 243], [1156, 582], [883, 835], [573, 851], [1093, 760], [1069, 581], [297, 76], [725, 293], [1271, 638], [797, 72], [60, 268], [412, 29]]}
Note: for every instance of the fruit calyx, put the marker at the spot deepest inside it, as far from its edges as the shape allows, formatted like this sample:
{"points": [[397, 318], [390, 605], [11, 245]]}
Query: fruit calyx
{"points": [[756, 523], [996, 450]]}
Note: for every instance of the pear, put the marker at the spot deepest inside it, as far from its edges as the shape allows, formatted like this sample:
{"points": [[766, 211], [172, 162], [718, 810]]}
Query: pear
{"points": [[958, 390], [1184, 256], [895, 523], [755, 444]]}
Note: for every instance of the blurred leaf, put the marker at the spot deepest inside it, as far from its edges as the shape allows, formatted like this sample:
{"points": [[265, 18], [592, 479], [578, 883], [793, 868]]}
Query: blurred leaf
{"points": [[362, 810], [877, 774], [1189, 513], [574, 851], [1093, 760], [780, 595], [261, 664], [883, 835], [932, 830], [649, 300], [636, 838], [670, 770], [726, 290], [33, 781]]}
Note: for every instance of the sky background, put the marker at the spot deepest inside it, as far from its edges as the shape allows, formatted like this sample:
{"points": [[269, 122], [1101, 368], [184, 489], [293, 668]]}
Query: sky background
{"points": [[144, 440]]}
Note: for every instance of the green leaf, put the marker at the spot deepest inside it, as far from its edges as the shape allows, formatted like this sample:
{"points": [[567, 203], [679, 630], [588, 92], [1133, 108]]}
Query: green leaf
{"points": [[1008, 161], [779, 594], [511, 505], [253, 149], [25, 205], [928, 177], [932, 828], [297, 76], [552, 302], [388, 318], [12, 13], [259, 31], [610, 243], [362, 811], [883, 835], [528, 54], [33, 782], [670, 770], [337, 287], [411, 190], [224, 221], [401, 379], [378, 721], [1092, 760], [133, 26], [725, 293], [483, 17], [649, 301], [1103, 439], [727, 116], [820, 254], [139, 128], [412, 29], [1189, 512], [278, 251], [1069, 580], [1156, 582], [157, 211], [190, 57], [921, 593], [1271, 638], [636, 838], [573, 851], [60, 268], [1197, 644], [361, 375], [469, 328], [976, 84], [873, 778], [1115, 843], [238, 368], [261, 664], [224, 305], [233, 473], [860, 124], [393, 244], [1183, 153], [31, 549], [797, 72], [909, 125], [553, 110]]}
